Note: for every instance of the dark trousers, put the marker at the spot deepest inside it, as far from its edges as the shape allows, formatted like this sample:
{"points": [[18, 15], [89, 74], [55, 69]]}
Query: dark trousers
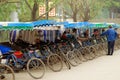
{"points": [[111, 47]]}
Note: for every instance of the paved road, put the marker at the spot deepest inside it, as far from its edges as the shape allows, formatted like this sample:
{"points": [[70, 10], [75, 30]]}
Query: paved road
{"points": [[101, 68]]}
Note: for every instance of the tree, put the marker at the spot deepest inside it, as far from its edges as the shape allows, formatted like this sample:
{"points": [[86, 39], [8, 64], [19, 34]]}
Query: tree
{"points": [[83, 9], [2, 2], [27, 9], [5, 10], [89, 9], [113, 6], [71, 8], [6, 7], [32, 7]]}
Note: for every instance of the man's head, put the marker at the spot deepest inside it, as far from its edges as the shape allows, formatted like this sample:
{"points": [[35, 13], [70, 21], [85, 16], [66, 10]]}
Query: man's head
{"points": [[74, 30], [110, 26]]}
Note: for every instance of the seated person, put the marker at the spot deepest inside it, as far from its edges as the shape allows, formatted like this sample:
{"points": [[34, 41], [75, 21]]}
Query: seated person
{"points": [[95, 34], [86, 33], [21, 43], [37, 43], [64, 36], [57, 40], [77, 37]]}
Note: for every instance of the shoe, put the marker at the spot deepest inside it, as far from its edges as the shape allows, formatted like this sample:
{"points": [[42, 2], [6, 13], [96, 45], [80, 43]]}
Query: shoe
{"points": [[2, 77]]}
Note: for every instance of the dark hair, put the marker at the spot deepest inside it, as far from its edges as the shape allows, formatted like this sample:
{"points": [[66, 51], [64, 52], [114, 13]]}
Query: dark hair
{"points": [[64, 32], [110, 26], [95, 30], [74, 30]]}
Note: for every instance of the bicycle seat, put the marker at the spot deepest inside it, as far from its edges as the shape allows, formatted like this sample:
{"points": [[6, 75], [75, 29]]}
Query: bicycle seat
{"points": [[32, 48]]}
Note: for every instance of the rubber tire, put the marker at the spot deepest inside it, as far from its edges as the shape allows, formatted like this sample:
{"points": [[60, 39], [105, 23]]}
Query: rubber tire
{"points": [[10, 69], [55, 56], [28, 70], [64, 59], [70, 55]]}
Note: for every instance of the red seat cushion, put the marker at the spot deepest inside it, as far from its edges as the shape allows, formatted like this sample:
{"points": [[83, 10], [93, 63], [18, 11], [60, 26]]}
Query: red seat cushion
{"points": [[18, 54]]}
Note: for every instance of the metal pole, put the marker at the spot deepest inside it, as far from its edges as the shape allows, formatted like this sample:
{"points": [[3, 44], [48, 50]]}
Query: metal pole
{"points": [[47, 14]]}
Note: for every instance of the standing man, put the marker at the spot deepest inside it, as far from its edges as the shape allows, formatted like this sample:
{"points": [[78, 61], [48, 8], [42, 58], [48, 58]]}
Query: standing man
{"points": [[111, 37]]}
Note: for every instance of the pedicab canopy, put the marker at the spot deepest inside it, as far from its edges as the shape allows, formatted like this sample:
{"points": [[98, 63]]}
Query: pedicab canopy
{"points": [[15, 25], [77, 25], [90, 25], [85, 25], [44, 23], [104, 25], [8, 29], [47, 25]]}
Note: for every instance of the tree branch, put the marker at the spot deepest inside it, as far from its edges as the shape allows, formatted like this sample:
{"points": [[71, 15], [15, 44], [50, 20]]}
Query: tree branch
{"points": [[45, 13], [66, 12], [3, 2], [71, 5], [28, 5]]}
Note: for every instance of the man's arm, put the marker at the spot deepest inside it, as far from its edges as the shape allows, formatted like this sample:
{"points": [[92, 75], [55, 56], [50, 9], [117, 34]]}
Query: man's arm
{"points": [[104, 33], [82, 39]]}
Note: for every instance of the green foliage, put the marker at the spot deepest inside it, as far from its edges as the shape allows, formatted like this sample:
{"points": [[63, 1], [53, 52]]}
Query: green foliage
{"points": [[24, 9], [112, 3], [5, 10], [70, 7], [83, 9], [27, 9]]}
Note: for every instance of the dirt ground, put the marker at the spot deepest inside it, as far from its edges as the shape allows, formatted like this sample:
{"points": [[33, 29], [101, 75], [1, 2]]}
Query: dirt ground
{"points": [[101, 68]]}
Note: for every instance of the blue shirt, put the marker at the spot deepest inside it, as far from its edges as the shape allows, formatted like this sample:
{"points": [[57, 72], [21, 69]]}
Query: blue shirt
{"points": [[111, 34]]}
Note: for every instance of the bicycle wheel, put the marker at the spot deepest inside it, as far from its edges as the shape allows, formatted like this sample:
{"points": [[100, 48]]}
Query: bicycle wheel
{"points": [[86, 53], [81, 56], [93, 51], [78, 55], [54, 62], [100, 50], [105, 47], [64, 59], [72, 58], [36, 68], [67, 63], [6, 72]]}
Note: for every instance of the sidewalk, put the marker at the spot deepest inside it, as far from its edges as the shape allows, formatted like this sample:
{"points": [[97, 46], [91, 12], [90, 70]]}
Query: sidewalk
{"points": [[101, 68]]}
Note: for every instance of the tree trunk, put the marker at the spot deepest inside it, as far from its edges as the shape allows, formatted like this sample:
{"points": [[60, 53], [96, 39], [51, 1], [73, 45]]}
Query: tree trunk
{"points": [[34, 11], [111, 11], [74, 17]]}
